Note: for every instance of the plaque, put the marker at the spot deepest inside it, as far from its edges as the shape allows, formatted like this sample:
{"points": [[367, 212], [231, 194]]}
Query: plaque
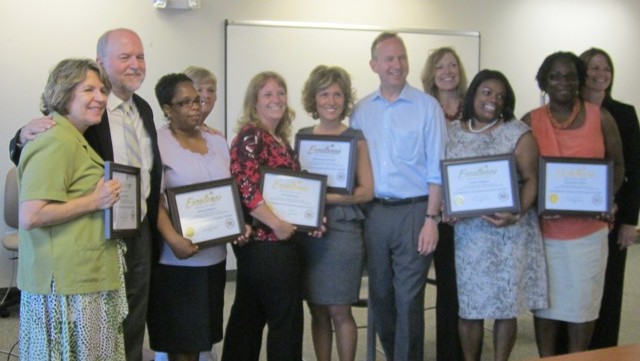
{"points": [[480, 186], [334, 156], [295, 197], [122, 220], [207, 213], [575, 186]]}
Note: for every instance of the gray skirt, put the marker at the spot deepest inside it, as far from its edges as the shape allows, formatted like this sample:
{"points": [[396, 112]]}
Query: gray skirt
{"points": [[333, 264]]}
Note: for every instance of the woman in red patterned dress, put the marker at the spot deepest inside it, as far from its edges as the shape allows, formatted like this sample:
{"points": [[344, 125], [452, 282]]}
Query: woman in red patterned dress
{"points": [[269, 282]]}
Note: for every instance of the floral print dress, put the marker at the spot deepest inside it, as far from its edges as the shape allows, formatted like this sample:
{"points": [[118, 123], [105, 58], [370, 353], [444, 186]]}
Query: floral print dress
{"points": [[500, 271]]}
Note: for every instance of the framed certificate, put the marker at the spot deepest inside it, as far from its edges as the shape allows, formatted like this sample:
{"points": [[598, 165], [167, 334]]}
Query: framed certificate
{"points": [[334, 156], [575, 186], [207, 213], [480, 185], [122, 220], [295, 197]]}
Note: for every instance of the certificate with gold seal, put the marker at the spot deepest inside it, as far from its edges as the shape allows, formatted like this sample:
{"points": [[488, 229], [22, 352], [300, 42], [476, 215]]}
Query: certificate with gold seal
{"points": [[295, 197], [207, 213], [123, 218], [480, 185], [575, 186], [333, 156]]}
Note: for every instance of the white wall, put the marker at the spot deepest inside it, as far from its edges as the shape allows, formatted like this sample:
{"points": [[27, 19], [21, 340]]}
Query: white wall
{"points": [[516, 36]]}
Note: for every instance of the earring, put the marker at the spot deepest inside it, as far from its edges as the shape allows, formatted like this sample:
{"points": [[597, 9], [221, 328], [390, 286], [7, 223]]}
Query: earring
{"points": [[543, 98]]}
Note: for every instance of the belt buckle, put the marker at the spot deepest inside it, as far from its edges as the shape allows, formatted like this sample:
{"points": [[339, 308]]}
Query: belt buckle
{"points": [[390, 202]]}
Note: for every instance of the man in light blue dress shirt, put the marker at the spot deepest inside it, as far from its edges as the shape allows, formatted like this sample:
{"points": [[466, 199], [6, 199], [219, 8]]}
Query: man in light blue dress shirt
{"points": [[405, 132]]}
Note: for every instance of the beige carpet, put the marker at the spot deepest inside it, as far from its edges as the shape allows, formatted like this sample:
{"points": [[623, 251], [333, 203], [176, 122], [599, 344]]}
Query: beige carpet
{"points": [[524, 348]]}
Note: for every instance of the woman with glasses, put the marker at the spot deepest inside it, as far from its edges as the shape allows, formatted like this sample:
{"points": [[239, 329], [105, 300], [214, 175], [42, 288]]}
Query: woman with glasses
{"points": [[187, 286], [576, 246]]}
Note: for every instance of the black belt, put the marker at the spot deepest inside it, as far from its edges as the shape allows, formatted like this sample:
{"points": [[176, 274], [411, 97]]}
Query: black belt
{"points": [[390, 202]]}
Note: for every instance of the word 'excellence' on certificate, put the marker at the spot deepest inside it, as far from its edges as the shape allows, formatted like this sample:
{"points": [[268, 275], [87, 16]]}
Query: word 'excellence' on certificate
{"points": [[296, 197], [333, 156], [207, 213], [480, 186], [575, 186]]}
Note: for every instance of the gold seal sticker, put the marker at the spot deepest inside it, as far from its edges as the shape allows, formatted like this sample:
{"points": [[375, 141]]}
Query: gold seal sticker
{"points": [[553, 198], [189, 232], [458, 200]]}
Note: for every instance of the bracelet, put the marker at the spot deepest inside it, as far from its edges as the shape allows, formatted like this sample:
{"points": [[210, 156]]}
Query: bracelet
{"points": [[435, 217]]}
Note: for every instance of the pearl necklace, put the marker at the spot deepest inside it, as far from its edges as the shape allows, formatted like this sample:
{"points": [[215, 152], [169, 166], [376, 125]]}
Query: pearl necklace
{"points": [[470, 124]]}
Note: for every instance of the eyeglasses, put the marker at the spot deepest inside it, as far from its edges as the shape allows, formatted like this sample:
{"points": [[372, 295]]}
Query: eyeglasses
{"points": [[189, 102], [561, 76]]}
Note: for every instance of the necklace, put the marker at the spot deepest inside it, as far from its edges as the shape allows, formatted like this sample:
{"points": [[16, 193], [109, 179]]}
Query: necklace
{"points": [[570, 119], [470, 124], [454, 116]]}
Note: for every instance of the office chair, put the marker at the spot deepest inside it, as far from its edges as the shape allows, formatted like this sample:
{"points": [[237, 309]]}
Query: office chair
{"points": [[10, 240]]}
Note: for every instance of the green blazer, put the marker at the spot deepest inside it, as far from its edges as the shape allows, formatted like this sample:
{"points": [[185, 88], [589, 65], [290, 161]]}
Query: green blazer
{"points": [[59, 165]]}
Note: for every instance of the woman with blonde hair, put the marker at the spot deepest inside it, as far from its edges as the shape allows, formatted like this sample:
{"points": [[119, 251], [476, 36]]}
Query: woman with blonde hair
{"points": [[444, 78], [269, 275], [206, 85]]}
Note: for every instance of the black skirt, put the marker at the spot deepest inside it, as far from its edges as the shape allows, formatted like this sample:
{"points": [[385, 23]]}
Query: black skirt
{"points": [[186, 308]]}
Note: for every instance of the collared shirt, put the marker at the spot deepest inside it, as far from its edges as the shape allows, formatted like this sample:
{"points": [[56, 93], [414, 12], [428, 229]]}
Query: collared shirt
{"points": [[115, 113], [406, 140], [58, 166]]}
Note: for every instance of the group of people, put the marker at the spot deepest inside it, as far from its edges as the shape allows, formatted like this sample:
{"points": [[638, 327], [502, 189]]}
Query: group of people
{"points": [[84, 297]]}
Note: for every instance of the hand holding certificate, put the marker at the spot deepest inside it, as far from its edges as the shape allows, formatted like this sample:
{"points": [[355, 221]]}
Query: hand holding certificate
{"points": [[295, 197], [480, 186], [123, 219], [207, 213], [575, 186]]}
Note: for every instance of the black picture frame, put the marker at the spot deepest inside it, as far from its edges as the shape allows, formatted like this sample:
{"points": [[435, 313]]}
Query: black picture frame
{"points": [[471, 189], [575, 186], [122, 220], [324, 154], [287, 194], [213, 208]]}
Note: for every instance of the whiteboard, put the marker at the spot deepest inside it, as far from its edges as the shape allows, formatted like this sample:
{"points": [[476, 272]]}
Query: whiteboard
{"points": [[293, 49]]}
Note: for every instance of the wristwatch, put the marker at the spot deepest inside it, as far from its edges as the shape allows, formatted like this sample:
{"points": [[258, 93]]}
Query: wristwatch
{"points": [[436, 217]]}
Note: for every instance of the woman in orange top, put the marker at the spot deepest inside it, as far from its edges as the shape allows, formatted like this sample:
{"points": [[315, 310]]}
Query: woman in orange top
{"points": [[576, 247]]}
